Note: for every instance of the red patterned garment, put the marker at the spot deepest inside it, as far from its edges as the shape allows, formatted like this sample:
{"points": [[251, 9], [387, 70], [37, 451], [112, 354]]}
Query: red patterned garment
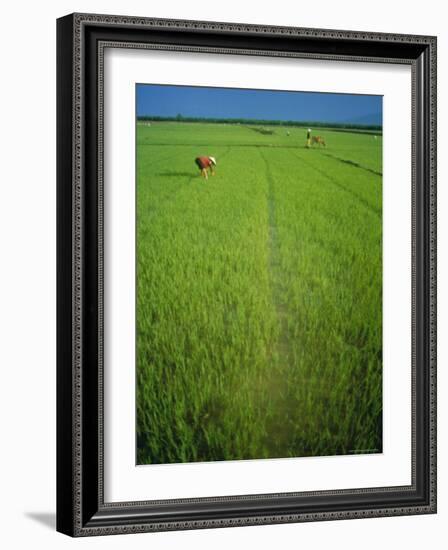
{"points": [[203, 162]]}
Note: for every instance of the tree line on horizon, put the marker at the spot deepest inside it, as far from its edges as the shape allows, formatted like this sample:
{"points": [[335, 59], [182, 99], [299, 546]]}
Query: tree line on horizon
{"points": [[264, 122]]}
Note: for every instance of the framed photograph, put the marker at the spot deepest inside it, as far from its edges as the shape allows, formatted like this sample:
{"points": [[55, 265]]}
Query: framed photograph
{"points": [[246, 274]]}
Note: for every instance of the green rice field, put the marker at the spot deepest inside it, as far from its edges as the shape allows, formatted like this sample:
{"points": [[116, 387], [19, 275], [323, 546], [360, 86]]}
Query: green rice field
{"points": [[259, 293]]}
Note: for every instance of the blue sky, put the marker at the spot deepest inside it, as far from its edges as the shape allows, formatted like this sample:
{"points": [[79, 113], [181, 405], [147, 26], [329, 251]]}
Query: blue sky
{"points": [[156, 100]]}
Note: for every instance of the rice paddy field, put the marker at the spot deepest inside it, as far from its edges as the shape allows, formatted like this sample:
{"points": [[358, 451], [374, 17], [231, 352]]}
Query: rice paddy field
{"points": [[259, 293]]}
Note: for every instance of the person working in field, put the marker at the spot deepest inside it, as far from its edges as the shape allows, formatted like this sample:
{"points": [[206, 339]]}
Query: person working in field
{"points": [[308, 137], [204, 164]]}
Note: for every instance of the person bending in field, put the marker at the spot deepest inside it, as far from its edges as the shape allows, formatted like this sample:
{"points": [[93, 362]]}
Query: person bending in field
{"points": [[205, 164]]}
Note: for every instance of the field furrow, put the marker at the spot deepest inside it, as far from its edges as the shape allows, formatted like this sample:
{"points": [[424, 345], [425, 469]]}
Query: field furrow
{"points": [[364, 188], [353, 163]]}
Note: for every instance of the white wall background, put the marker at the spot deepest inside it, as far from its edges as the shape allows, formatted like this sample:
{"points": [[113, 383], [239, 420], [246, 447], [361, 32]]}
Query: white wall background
{"points": [[27, 274]]}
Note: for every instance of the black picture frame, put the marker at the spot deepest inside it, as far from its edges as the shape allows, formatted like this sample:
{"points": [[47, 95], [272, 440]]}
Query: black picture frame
{"points": [[81, 510]]}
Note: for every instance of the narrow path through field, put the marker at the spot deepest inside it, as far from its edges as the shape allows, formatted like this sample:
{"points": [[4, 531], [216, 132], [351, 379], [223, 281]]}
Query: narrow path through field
{"points": [[353, 163], [338, 184], [281, 353]]}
